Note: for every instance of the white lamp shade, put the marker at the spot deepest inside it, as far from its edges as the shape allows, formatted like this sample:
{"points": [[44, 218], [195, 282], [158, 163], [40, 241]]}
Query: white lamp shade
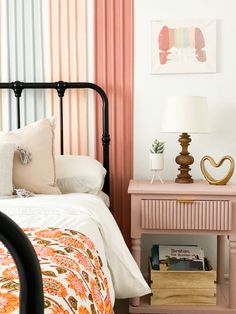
{"points": [[186, 114]]}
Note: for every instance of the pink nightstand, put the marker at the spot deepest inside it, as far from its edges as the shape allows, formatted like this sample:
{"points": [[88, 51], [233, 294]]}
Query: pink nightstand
{"points": [[196, 208]]}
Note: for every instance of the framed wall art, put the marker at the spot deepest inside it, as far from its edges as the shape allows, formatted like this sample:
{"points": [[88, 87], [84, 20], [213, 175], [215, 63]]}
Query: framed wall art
{"points": [[183, 46]]}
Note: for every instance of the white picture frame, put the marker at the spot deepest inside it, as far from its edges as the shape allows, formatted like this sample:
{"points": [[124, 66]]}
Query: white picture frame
{"points": [[183, 46]]}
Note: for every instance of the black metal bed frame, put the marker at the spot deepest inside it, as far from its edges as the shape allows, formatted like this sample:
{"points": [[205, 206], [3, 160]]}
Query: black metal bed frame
{"points": [[22, 251], [61, 87], [31, 285]]}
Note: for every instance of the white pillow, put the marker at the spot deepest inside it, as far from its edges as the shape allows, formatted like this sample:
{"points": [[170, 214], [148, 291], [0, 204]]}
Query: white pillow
{"points": [[81, 174], [37, 176], [6, 165]]}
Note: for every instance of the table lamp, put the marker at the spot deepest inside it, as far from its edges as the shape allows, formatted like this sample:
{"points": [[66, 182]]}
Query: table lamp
{"points": [[185, 114]]}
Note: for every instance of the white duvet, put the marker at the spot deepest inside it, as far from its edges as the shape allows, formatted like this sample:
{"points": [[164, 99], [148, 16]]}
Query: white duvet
{"points": [[88, 214]]}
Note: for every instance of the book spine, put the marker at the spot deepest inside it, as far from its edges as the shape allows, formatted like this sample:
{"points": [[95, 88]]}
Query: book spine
{"points": [[155, 257]]}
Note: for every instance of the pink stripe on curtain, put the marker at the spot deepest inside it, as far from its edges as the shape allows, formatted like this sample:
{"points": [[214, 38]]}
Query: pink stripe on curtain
{"points": [[69, 63], [113, 29]]}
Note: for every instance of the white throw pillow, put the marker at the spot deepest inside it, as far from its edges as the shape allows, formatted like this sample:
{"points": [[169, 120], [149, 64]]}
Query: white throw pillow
{"points": [[38, 176], [6, 165], [81, 174]]}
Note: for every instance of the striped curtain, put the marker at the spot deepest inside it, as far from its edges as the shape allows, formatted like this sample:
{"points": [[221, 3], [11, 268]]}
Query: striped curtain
{"points": [[113, 54], [24, 36], [45, 40], [69, 63]]}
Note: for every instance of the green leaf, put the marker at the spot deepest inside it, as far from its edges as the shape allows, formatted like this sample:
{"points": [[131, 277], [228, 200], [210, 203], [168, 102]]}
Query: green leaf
{"points": [[85, 275], [49, 273], [3, 279], [92, 307], [69, 249], [89, 254], [44, 242], [98, 282], [12, 285], [61, 270], [90, 297], [47, 303], [73, 232], [60, 252], [100, 261], [73, 302]]}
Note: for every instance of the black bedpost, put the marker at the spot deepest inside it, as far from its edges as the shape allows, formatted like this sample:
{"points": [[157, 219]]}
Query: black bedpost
{"points": [[61, 87], [105, 137], [22, 251], [17, 87]]}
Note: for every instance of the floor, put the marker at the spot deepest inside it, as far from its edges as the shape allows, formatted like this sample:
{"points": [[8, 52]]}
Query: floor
{"points": [[121, 307]]}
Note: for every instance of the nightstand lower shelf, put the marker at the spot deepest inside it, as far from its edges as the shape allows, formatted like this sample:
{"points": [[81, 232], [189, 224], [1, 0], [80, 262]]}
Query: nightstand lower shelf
{"points": [[220, 308]]}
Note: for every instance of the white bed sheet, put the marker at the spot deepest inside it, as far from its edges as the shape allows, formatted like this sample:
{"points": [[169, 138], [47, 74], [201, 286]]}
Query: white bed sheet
{"points": [[88, 214], [103, 196]]}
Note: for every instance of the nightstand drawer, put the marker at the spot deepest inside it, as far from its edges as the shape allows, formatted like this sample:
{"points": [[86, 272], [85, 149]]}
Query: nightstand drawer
{"points": [[186, 214]]}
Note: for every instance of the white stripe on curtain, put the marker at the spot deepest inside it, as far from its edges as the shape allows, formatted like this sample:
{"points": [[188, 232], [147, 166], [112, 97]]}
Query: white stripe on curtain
{"points": [[25, 57]]}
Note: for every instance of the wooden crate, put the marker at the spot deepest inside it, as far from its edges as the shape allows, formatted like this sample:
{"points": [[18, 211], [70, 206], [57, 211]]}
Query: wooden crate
{"points": [[183, 287]]}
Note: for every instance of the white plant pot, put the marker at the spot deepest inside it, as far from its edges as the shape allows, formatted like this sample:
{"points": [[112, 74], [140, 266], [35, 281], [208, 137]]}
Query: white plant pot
{"points": [[156, 161]]}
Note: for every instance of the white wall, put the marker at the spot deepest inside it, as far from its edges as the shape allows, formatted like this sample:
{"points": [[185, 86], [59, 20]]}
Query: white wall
{"points": [[151, 92]]}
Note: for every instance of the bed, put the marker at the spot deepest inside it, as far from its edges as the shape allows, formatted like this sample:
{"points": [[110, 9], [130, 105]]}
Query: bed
{"points": [[84, 261]]}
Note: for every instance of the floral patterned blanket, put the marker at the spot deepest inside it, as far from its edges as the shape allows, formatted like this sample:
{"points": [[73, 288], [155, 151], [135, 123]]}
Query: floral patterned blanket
{"points": [[73, 279]]}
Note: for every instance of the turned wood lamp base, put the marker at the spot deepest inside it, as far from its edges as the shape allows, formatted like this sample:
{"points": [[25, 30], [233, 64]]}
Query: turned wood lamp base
{"points": [[184, 160]]}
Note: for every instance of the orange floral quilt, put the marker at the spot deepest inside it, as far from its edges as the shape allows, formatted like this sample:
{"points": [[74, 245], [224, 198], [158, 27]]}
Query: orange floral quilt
{"points": [[73, 279]]}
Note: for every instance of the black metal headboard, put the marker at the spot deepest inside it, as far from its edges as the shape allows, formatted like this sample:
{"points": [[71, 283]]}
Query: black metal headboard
{"points": [[61, 87]]}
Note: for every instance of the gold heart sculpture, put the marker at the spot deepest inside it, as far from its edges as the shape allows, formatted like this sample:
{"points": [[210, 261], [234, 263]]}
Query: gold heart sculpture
{"points": [[209, 178]]}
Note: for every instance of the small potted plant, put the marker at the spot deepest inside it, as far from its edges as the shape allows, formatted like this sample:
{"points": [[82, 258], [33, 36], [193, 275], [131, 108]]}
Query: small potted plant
{"points": [[156, 155]]}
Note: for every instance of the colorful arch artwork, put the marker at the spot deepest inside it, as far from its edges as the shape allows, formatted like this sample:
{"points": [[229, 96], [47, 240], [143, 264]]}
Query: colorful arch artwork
{"points": [[182, 37], [181, 48]]}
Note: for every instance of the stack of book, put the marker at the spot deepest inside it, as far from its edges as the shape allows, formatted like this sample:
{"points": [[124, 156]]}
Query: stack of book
{"points": [[177, 257]]}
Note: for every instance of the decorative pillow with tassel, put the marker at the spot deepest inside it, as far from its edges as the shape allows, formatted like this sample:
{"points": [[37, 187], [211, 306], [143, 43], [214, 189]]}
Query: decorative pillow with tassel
{"points": [[34, 172]]}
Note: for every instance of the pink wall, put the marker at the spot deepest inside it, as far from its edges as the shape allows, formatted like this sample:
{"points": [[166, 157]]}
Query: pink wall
{"points": [[69, 63], [113, 29]]}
